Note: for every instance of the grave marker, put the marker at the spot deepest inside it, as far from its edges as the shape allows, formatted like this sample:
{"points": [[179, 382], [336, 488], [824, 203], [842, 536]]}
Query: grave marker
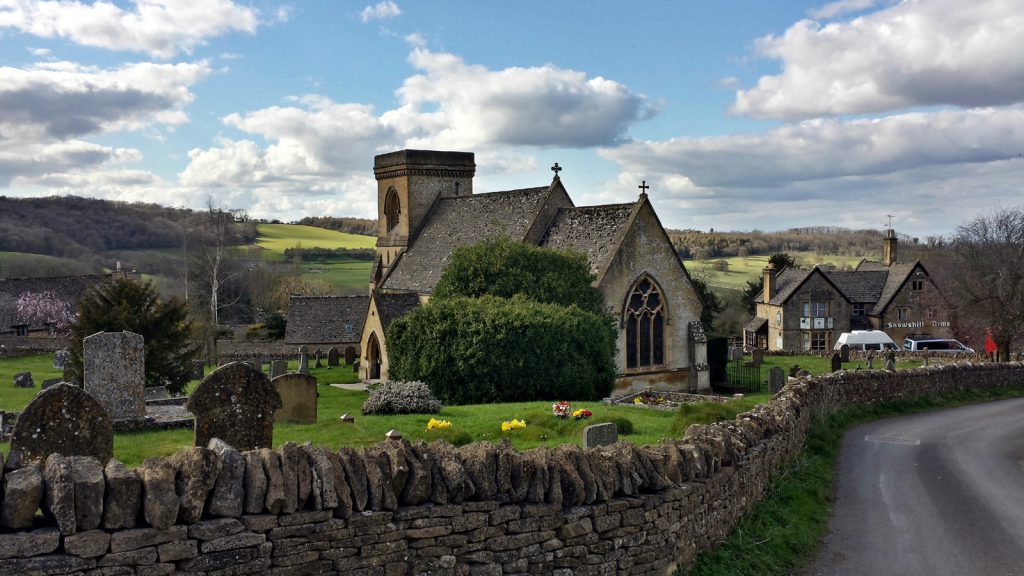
{"points": [[298, 398], [63, 418], [278, 368], [24, 380], [114, 373], [603, 434], [844, 353], [235, 403], [333, 357], [776, 379]]}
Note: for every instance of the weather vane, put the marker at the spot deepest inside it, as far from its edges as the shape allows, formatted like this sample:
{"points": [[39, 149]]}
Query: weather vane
{"points": [[890, 220]]}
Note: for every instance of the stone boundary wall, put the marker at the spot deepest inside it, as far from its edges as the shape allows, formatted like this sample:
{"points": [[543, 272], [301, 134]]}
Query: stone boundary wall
{"points": [[243, 350], [401, 508]]}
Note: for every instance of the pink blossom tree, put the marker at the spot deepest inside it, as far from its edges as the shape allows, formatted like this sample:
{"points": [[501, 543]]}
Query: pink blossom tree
{"points": [[46, 308]]}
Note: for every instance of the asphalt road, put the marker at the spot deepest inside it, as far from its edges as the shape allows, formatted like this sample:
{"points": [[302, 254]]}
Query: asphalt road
{"points": [[931, 494]]}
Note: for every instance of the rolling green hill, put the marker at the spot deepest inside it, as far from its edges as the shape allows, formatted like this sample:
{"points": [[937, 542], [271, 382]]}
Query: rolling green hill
{"points": [[275, 238], [738, 270]]}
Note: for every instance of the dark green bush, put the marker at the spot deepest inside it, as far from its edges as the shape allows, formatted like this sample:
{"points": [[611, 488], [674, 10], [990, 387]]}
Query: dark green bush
{"points": [[489, 349], [624, 425]]}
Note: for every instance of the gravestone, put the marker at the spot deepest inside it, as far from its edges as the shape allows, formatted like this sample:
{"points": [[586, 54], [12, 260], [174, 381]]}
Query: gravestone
{"points": [[736, 354], [303, 360], [63, 418], [890, 360], [871, 360], [298, 398], [49, 382], [844, 353], [350, 354], [318, 354], [115, 373], [776, 379], [60, 358], [278, 368], [235, 403], [837, 362], [198, 370], [603, 434], [24, 380], [757, 355], [333, 357]]}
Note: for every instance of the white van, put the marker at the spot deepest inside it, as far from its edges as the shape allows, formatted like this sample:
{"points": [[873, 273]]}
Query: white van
{"points": [[866, 340], [943, 345]]}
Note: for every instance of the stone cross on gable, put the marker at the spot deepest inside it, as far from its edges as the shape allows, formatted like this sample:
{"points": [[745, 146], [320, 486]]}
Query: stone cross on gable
{"points": [[556, 169], [643, 187]]}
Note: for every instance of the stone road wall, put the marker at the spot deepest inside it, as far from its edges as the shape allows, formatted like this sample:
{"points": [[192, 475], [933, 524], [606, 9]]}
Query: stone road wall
{"points": [[400, 508]]}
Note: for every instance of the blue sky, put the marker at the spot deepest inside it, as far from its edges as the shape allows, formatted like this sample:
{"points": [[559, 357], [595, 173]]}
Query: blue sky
{"points": [[740, 115]]}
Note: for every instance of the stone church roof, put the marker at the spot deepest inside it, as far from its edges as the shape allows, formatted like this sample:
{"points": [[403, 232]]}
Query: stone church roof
{"points": [[592, 230], [461, 221], [391, 306], [325, 319]]}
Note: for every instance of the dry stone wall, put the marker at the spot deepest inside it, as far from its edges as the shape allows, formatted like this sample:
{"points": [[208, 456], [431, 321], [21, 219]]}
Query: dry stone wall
{"points": [[417, 508]]}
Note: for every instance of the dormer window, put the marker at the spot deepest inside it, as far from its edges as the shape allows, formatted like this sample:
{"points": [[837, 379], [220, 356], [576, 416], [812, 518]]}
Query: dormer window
{"points": [[392, 210]]}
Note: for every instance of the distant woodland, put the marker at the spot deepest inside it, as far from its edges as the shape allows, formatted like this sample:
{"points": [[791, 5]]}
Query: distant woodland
{"points": [[364, 226]]}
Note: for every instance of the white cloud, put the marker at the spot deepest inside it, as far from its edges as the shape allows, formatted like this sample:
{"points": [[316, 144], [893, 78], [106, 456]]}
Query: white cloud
{"points": [[917, 53], [380, 11], [160, 28], [841, 8]]}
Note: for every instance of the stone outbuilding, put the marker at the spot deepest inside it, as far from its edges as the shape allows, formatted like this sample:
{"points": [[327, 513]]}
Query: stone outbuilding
{"points": [[427, 208], [327, 322]]}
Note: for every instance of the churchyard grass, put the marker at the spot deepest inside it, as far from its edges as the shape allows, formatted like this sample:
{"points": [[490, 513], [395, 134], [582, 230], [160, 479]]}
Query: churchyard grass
{"points": [[784, 531], [350, 276], [13, 399]]}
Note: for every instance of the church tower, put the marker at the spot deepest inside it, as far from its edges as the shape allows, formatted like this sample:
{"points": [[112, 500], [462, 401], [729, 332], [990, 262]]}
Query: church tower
{"points": [[408, 184]]}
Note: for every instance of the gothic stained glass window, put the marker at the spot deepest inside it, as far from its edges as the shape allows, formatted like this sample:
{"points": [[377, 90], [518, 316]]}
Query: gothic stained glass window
{"points": [[645, 326]]}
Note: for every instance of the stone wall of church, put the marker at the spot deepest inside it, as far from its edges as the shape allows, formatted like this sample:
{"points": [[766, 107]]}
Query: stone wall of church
{"points": [[401, 508], [647, 250]]}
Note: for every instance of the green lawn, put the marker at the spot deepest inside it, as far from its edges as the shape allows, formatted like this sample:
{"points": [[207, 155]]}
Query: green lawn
{"points": [[275, 238], [742, 269], [349, 276]]}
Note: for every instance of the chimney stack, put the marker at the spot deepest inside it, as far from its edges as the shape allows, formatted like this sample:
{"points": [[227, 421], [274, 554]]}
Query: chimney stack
{"points": [[769, 282], [889, 250]]}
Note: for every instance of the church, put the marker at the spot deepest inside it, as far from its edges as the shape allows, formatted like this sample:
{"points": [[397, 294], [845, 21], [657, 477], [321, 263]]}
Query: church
{"points": [[426, 208]]}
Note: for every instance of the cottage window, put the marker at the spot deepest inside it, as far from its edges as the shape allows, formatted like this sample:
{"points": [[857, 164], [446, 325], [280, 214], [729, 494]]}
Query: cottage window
{"points": [[815, 341], [858, 310], [21, 330], [917, 285], [645, 325], [903, 313], [815, 309]]}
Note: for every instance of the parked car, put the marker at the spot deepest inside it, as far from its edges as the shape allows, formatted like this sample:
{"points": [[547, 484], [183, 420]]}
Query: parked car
{"points": [[944, 345], [866, 340]]}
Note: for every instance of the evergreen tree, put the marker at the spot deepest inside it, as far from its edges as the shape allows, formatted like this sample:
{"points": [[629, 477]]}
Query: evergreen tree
{"points": [[125, 304]]}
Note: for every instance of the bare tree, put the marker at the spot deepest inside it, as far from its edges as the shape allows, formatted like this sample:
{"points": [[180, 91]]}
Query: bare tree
{"points": [[989, 279]]}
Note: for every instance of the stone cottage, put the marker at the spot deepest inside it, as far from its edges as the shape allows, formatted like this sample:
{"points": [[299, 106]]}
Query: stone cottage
{"points": [[426, 208], [807, 310]]}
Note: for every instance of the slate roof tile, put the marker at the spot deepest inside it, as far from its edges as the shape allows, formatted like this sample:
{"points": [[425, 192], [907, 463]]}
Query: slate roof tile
{"points": [[325, 319], [592, 230]]}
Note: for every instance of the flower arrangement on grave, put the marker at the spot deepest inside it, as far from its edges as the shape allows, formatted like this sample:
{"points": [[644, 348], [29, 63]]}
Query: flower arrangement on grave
{"points": [[512, 425], [638, 400], [581, 414], [435, 424], [561, 409]]}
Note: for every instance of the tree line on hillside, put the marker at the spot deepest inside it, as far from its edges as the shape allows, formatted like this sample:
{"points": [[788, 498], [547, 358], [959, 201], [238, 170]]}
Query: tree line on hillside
{"points": [[698, 245], [364, 226]]}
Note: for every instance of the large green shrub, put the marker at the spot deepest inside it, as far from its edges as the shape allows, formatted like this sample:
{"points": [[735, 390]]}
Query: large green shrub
{"points": [[490, 349], [503, 267]]}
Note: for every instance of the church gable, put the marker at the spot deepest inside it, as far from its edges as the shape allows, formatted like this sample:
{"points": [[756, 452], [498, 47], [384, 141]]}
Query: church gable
{"points": [[594, 231]]}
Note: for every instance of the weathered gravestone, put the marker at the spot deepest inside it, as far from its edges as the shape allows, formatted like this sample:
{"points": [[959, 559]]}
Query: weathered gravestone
{"points": [[871, 360], [736, 354], [303, 360], [298, 398], [844, 353], [278, 368], [350, 354], [890, 360], [115, 373], [65, 419], [776, 379], [333, 357], [757, 356], [235, 403], [24, 380], [603, 434], [198, 370], [837, 362], [60, 358], [318, 355]]}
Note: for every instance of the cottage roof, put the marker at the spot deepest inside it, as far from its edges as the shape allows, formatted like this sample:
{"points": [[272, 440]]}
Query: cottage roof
{"points": [[861, 287], [592, 230], [786, 282], [897, 276], [461, 221], [325, 319], [392, 306], [755, 324]]}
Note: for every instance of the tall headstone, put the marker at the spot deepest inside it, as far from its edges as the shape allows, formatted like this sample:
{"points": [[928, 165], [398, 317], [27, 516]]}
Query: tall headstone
{"points": [[333, 356], [115, 373], [298, 398], [63, 418], [837, 362], [318, 354], [235, 403], [890, 360], [303, 360], [844, 353], [776, 379], [350, 354], [757, 356], [278, 368], [198, 370], [871, 360]]}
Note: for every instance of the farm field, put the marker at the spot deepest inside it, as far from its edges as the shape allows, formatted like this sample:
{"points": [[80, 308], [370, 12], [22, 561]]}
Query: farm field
{"points": [[275, 238], [349, 276], [742, 269]]}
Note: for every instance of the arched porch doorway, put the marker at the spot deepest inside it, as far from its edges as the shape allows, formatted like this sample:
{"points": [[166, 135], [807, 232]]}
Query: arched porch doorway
{"points": [[373, 358]]}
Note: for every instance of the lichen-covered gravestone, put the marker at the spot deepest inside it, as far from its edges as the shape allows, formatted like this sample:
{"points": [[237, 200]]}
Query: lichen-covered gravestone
{"points": [[60, 358], [757, 356], [776, 379], [278, 368], [303, 360], [333, 356], [298, 398], [235, 403], [65, 419], [115, 373], [604, 434]]}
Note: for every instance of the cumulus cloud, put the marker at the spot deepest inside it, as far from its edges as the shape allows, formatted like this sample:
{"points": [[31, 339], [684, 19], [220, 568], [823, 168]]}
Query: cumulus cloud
{"points": [[160, 28], [916, 53], [380, 11]]}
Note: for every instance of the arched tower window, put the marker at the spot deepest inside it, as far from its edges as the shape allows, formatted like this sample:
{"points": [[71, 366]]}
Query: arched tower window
{"points": [[645, 325], [392, 209]]}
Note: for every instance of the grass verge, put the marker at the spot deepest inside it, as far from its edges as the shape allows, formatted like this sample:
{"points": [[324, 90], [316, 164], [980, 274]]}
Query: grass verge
{"points": [[784, 531]]}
